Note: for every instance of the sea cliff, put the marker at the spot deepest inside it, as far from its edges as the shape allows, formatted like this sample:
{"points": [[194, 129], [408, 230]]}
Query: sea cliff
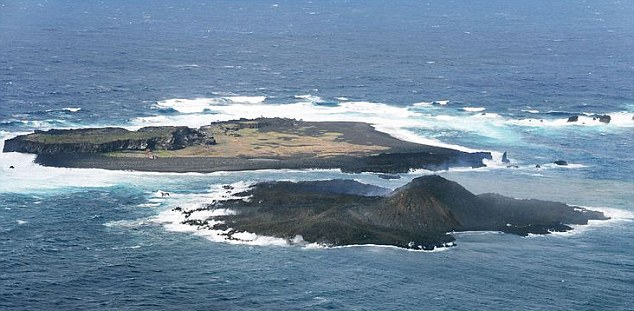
{"points": [[108, 139]]}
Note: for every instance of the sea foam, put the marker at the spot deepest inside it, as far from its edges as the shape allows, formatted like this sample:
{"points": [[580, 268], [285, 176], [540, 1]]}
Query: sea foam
{"points": [[189, 210]]}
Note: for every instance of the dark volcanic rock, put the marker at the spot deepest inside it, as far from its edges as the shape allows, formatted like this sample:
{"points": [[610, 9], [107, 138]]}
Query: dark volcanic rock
{"points": [[573, 119], [102, 140], [417, 215], [605, 119], [402, 162], [505, 158], [561, 162]]}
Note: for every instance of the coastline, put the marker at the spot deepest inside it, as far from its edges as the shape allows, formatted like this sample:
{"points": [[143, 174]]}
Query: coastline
{"points": [[244, 144]]}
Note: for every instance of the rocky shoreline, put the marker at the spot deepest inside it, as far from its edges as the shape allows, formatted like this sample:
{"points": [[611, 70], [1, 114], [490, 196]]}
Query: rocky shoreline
{"points": [[420, 215], [245, 144]]}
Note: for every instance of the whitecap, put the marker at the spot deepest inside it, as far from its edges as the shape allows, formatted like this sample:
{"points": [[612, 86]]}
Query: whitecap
{"points": [[473, 109], [149, 205], [134, 223], [246, 99], [568, 166], [422, 104], [196, 105], [530, 111]]}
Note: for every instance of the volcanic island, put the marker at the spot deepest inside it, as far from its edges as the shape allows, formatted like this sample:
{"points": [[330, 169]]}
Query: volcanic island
{"points": [[420, 215]]}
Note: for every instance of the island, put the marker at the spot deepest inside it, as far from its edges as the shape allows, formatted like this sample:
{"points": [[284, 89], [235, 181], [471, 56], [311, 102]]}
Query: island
{"points": [[420, 215], [237, 145]]}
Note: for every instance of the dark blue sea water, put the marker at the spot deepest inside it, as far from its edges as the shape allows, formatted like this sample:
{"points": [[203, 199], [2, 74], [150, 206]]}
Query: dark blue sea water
{"points": [[505, 76]]}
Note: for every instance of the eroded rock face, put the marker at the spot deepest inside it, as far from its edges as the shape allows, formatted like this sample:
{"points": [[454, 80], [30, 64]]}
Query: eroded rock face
{"points": [[417, 215], [101, 140]]}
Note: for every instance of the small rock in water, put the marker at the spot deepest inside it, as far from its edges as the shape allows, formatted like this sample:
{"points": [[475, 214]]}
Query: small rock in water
{"points": [[605, 119], [505, 159], [573, 119], [561, 162]]}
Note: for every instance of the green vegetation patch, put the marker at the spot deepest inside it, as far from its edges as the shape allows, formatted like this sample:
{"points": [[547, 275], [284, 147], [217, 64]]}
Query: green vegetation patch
{"points": [[99, 135]]}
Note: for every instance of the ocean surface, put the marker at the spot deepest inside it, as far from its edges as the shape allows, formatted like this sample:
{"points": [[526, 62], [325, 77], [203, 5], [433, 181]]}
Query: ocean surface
{"points": [[473, 75]]}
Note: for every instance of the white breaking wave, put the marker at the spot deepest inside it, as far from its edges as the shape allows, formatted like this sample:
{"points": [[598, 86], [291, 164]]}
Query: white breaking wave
{"points": [[199, 105], [310, 98], [617, 216], [246, 99], [533, 111], [188, 211], [474, 109], [617, 119], [389, 119]]}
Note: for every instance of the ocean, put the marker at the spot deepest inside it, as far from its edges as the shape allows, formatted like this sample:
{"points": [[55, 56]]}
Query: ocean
{"points": [[499, 76]]}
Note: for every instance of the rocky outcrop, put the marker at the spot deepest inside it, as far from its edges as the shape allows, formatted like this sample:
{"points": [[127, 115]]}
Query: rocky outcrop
{"points": [[420, 215], [605, 119], [573, 119], [505, 158], [561, 163], [102, 140], [402, 162]]}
